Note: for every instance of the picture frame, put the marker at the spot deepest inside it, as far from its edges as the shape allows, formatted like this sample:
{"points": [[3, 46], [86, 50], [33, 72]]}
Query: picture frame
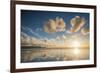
{"points": [[24, 58]]}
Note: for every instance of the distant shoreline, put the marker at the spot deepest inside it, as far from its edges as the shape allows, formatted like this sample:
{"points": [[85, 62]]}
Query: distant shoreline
{"points": [[23, 47]]}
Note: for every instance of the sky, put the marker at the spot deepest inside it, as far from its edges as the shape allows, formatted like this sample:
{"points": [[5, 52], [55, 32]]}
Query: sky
{"points": [[54, 25]]}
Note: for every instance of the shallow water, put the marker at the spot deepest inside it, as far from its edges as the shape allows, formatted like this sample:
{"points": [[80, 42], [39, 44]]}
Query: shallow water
{"points": [[53, 54]]}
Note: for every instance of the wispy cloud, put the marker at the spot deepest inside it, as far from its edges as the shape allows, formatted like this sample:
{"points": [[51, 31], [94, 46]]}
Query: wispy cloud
{"points": [[27, 40], [31, 31], [38, 29]]}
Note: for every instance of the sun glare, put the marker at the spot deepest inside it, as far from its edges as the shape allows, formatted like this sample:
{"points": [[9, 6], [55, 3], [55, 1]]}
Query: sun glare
{"points": [[76, 51]]}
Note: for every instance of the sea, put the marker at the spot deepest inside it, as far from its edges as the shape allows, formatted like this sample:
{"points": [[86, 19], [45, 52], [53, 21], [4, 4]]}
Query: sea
{"points": [[34, 54]]}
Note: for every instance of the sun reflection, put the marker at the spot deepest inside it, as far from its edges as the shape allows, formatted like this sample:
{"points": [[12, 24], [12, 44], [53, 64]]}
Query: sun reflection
{"points": [[76, 51]]}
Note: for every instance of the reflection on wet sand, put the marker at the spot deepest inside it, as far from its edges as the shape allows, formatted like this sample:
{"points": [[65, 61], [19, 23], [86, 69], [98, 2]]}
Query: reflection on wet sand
{"points": [[57, 54]]}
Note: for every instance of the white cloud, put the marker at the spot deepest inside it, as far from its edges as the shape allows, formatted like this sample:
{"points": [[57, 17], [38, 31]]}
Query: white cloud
{"points": [[77, 23], [64, 37], [54, 25], [85, 31], [27, 40], [31, 31], [38, 29]]}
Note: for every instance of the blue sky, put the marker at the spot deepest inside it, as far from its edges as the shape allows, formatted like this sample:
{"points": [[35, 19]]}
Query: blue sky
{"points": [[32, 22]]}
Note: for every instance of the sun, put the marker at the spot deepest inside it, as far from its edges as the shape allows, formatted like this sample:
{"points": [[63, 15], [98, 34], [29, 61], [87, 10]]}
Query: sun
{"points": [[76, 45]]}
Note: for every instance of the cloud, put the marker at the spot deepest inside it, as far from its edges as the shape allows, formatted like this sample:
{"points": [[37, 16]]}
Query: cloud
{"points": [[26, 40], [54, 25], [31, 31], [61, 38], [77, 22], [64, 37], [38, 29], [31, 40], [85, 31]]}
